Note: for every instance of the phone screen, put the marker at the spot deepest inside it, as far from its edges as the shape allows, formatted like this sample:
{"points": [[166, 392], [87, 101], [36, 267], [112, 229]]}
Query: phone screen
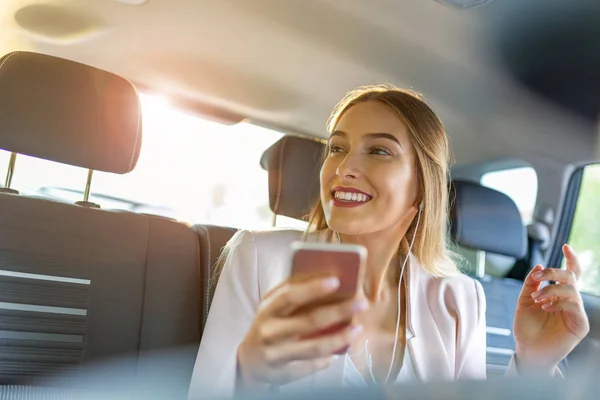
{"points": [[345, 265], [346, 262]]}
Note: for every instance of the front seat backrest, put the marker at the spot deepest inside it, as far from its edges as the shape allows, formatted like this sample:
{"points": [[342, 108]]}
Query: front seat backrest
{"points": [[82, 284]]}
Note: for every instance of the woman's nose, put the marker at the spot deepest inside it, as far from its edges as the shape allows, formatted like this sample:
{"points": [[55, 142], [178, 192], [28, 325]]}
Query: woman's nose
{"points": [[350, 167]]}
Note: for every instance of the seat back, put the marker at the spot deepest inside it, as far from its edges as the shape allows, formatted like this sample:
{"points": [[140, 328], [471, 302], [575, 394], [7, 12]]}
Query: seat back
{"points": [[212, 241], [77, 284]]}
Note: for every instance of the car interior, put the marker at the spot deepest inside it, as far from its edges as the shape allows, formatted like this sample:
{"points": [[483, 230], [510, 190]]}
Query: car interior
{"points": [[111, 221]]}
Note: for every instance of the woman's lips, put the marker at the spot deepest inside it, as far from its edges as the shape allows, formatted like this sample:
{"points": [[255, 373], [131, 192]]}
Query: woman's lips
{"points": [[349, 197]]}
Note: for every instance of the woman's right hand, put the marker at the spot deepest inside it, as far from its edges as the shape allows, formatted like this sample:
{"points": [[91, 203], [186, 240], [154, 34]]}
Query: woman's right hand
{"points": [[273, 351]]}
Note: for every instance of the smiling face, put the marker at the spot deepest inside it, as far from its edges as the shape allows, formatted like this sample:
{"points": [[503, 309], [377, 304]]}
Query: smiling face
{"points": [[369, 177]]}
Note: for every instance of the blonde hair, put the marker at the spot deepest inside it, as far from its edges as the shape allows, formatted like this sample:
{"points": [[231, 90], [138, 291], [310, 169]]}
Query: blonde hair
{"points": [[431, 146]]}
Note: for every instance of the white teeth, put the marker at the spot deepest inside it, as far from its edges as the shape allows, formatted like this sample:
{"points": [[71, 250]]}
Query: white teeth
{"points": [[347, 196]]}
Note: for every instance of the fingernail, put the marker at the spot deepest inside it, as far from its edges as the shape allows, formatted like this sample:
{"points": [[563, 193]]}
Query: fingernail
{"points": [[361, 305], [356, 330], [537, 294], [538, 275], [331, 283]]}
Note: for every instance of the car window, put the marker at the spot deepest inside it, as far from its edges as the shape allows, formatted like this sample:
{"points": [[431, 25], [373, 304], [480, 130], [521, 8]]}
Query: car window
{"points": [[585, 230], [520, 184], [287, 222], [191, 169]]}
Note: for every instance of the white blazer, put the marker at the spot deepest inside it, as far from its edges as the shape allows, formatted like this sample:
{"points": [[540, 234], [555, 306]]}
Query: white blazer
{"points": [[445, 318]]}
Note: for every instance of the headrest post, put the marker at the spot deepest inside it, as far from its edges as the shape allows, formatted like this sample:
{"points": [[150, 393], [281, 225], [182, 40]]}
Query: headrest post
{"points": [[480, 271], [274, 222], [86, 194], [88, 186], [9, 175], [11, 170]]}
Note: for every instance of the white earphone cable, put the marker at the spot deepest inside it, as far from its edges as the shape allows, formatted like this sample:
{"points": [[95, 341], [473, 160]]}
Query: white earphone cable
{"points": [[399, 303], [366, 347]]}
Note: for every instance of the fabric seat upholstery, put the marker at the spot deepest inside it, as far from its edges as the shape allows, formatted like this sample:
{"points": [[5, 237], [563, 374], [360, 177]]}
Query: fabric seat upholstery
{"points": [[78, 285], [212, 240]]}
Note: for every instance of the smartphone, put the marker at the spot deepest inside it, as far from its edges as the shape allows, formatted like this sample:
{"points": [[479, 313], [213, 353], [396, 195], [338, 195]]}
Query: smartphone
{"points": [[347, 262]]}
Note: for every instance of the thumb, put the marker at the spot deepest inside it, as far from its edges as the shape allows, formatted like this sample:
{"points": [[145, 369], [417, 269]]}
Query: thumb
{"points": [[531, 285], [572, 260]]}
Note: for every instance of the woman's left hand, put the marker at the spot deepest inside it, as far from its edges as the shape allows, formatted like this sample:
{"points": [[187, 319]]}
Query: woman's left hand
{"points": [[551, 321]]}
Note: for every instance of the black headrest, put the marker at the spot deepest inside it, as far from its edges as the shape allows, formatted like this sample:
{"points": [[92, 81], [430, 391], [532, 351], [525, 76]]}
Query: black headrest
{"points": [[485, 219], [67, 112], [293, 164]]}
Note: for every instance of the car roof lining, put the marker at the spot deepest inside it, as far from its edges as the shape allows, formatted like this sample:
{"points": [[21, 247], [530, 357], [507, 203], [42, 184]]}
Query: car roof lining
{"points": [[300, 58]]}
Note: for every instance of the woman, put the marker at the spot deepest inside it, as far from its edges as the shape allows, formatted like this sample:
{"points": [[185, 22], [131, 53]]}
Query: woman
{"points": [[383, 186]]}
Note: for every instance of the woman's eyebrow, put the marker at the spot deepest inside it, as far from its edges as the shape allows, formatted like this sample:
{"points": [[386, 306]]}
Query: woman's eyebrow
{"points": [[388, 136], [338, 133], [374, 135]]}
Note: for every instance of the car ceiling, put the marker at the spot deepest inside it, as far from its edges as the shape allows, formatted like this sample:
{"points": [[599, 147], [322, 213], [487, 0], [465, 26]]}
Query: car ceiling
{"points": [[285, 63]]}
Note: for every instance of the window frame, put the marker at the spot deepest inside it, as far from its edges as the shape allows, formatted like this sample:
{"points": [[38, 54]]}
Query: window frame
{"points": [[567, 213]]}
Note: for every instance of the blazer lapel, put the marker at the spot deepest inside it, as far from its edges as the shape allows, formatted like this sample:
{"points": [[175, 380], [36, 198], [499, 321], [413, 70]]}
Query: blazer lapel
{"points": [[424, 342]]}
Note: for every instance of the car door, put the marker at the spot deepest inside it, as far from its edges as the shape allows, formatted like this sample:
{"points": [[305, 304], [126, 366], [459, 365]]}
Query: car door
{"points": [[580, 227]]}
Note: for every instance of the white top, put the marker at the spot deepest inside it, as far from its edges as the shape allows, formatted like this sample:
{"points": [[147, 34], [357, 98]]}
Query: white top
{"points": [[446, 316], [352, 377]]}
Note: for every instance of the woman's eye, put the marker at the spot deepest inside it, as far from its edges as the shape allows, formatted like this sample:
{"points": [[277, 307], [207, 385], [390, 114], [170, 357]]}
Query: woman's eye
{"points": [[379, 151], [334, 149]]}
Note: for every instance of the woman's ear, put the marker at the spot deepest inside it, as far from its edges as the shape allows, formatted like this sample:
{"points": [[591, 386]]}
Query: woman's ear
{"points": [[419, 203]]}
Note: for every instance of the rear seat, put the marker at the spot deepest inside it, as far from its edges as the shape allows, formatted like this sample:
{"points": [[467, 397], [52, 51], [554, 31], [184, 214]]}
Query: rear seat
{"points": [[80, 284]]}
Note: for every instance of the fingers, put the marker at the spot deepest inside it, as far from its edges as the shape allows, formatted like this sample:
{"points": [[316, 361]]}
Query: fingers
{"points": [[562, 305], [554, 274], [530, 285], [554, 292], [572, 261], [570, 276], [312, 321], [310, 348], [289, 298]]}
